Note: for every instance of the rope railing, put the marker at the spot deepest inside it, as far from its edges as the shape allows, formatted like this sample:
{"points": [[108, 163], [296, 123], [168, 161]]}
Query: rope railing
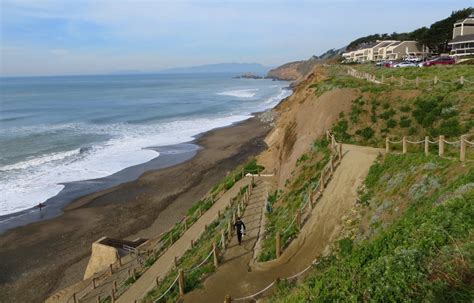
{"points": [[313, 194], [236, 206], [254, 295], [167, 290], [462, 143], [157, 251]]}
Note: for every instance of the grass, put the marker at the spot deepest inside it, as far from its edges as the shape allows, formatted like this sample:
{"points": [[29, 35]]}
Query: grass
{"points": [[194, 256], [413, 241], [285, 206], [384, 110], [193, 214]]}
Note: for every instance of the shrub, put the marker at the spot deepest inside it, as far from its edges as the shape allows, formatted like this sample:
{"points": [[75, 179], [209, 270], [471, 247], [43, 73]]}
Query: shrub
{"points": [[391, 123], [405, 122], [367, 133]]}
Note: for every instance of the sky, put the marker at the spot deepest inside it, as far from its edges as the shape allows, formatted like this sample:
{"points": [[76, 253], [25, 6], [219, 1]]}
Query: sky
{"points": [[53, 37]]}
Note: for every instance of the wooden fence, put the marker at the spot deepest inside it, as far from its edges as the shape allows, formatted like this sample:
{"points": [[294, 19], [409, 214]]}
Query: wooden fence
{"points": [[402, 81], [462, 143]]}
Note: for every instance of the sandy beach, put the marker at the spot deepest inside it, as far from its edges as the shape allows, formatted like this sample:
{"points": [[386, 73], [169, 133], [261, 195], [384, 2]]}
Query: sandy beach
{"points": [[44, 256]]}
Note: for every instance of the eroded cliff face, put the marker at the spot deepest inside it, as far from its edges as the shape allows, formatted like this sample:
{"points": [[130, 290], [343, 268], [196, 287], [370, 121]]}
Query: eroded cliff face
{"points": [[302, 118], [293, 71]]}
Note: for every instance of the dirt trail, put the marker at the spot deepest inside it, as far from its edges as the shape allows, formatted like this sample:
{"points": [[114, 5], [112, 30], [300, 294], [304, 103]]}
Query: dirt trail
{"points": [[234, 277], [165, 263]]}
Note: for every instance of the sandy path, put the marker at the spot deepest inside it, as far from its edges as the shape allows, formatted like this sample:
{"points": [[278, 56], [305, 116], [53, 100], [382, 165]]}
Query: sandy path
{"points": [[166, 262], [234, 276]]}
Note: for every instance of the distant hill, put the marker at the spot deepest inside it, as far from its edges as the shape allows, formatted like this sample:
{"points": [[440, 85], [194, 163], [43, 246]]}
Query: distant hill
{"points": [[237, 68]]}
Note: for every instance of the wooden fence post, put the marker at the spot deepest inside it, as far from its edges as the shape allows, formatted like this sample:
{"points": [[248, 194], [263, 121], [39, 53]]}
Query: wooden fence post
{"points": [[321, 181], [401, 80], [214, 254], [97, 299], [331, 164], [94, 286], [427, 146], [381, 80], [404, 144], [278, 245], [340, 151], [392, 79], [227, 299], [462, 152], [74, 297], [223, 239], [238, 210], [298, 219], [417, 81], [435, 81], [387, 145], [112, 296], [157, 281], [441, 146], [111, 271], [229, 226], [181, 282], [461, 80], [115, 286]]}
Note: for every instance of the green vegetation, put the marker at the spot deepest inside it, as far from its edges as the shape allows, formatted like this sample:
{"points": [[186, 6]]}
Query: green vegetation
{"points": [[193, 214], [194, 256], [388, 110], [284, 210], [412, 239]]}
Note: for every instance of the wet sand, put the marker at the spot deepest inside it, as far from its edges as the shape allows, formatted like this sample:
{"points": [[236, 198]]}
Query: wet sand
{"points": [[42, 257]]}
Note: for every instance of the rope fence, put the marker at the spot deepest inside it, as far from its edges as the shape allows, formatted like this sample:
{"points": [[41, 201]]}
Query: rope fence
{"points": [[164, 241], [462, 143], [304, 211], [402, 80], [253, 296], [225, 234]]}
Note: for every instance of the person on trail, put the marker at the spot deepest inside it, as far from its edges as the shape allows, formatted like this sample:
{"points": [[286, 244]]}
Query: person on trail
{"points": [[239, 228]]}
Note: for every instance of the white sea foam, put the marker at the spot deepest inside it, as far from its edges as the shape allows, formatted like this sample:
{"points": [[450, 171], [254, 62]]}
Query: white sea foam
{"points": [[240, 93], [25, 184], [41, 160]]}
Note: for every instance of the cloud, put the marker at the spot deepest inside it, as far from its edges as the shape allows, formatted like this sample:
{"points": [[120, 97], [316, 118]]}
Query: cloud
{"points": [[89, 36]]}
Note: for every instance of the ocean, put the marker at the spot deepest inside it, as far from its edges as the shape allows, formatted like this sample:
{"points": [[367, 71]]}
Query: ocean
{"points": [[58, 130]]}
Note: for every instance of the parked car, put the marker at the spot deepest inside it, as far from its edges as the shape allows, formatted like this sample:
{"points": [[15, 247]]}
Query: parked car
{"points": [[412, 59], [405, 64], [389, 63], [438, 61]]}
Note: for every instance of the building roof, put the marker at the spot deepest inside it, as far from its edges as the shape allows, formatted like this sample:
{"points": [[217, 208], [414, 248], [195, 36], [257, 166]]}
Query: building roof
{"points": [[395, 44], [385, 43], [367, 45], [463, 38]]}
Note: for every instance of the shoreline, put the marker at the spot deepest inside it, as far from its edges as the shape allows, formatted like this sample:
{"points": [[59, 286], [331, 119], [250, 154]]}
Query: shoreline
{"points": [[47, 255], [55, 206], [169, 155]]}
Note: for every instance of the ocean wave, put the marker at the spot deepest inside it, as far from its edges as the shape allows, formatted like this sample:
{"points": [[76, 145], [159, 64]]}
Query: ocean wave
{"points": [[281, 95], [42, 160], [240, 93], [25, 184], [124, 144]]}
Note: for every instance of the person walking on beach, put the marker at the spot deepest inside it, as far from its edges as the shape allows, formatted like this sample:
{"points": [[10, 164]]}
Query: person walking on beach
{"points": [[239, 228]]}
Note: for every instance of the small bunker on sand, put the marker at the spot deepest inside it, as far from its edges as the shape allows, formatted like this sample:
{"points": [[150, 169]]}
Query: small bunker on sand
{"points": [[106, 251]]}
